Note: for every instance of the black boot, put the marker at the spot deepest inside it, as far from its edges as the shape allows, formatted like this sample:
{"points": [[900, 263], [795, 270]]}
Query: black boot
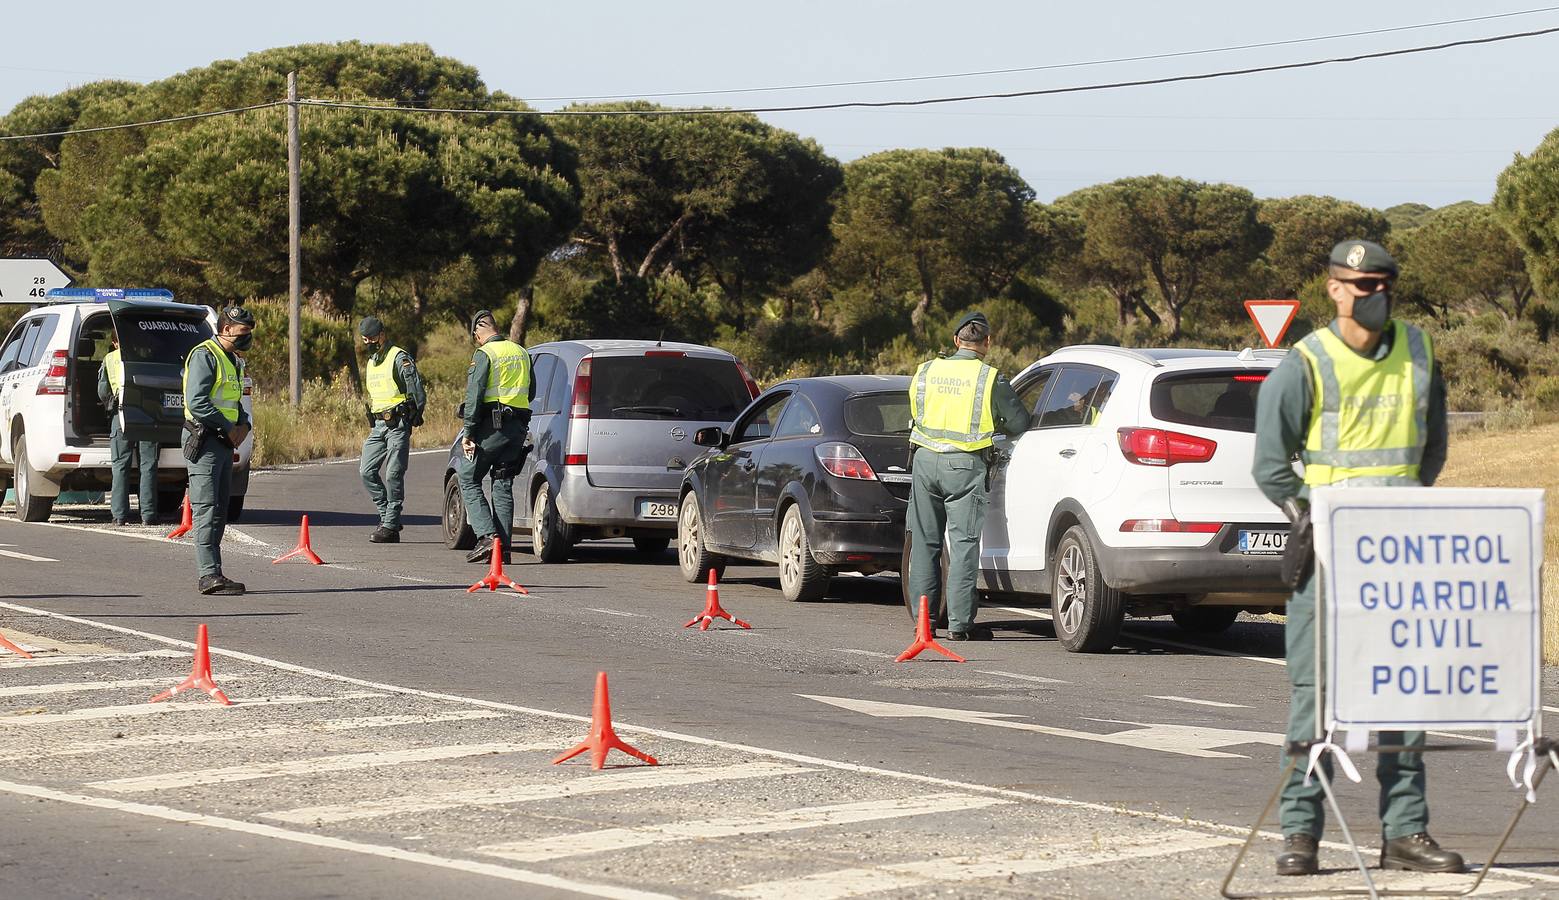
{"points": [[221, 585], [1298, 856], [384, 535], [482, 553], [975, 633], [1419, 853]]}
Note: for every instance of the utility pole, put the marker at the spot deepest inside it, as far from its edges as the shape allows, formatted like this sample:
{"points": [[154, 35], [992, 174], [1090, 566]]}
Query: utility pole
{"points": [[294, 255]]}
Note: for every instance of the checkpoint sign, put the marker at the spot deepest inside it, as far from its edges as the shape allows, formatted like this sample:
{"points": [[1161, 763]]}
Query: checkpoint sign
{"points": [[1272, 318], [1432, 606]]}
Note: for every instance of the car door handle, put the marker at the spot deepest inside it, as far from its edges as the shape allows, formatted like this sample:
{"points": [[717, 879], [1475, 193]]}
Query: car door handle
{"points": [[748, 465], [1068, 453]]}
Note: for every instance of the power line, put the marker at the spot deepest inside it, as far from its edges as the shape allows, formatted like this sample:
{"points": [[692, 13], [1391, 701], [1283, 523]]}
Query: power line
{"points": [[1071, 65], [185, 118]]}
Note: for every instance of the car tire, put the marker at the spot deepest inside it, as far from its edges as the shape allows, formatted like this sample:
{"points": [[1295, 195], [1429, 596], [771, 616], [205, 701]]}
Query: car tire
{"points": [[550, 539], [29, 508], [1206, 619], [457, 531], [651, 546], [1087, 612], [912, 604], [235, 508], [693, 558], [801, 576]]}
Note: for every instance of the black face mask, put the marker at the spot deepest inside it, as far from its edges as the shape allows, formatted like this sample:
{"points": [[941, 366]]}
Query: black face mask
{"points": [[1374, 311], [242, 342]]}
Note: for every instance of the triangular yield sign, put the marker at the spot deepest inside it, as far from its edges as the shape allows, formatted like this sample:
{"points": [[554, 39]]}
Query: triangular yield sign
{"points": [[1272, 318]]}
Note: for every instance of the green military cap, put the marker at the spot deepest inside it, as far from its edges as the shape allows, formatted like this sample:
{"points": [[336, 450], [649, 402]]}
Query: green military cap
{"points": [[1364, 256], [480, 315], [370, 327], [974, 318]]}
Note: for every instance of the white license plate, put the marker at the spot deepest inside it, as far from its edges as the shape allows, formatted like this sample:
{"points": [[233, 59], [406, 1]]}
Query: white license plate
{"points": [[657, 509], [1263, 542], [172, 401]]}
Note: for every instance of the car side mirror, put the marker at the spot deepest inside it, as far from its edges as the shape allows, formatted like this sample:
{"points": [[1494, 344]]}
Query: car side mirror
{"points": [[710, 436]]}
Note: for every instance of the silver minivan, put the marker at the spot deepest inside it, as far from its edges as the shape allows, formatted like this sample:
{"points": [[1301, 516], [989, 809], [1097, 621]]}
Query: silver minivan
{"points": [[611, 431]]}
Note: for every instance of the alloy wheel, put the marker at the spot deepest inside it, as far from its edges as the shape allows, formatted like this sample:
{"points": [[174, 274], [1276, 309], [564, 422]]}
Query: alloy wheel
{"points": [[790, 551], [1071, 589], [689, 536]]}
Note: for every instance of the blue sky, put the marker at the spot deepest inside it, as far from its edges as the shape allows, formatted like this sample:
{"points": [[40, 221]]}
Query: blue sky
{"points": [[1434, 128]]}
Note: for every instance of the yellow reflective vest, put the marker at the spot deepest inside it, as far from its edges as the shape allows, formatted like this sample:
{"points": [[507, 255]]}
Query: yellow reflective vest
{"points": [[227, 391], [115, 368], [383, 391], [1369, 419], [508, 374], [950, 403]]}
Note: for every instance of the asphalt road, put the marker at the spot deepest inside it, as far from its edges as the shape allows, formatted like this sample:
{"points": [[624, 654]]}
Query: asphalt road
{"points": [[394, 733]]}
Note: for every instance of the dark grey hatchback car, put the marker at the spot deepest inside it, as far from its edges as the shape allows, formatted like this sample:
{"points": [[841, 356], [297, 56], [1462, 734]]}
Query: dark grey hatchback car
{"points": [[813, 476]]}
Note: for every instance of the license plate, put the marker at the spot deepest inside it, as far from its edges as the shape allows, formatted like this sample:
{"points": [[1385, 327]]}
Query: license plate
{"points": [[657, 509], [172, 401], [1263, 542]]}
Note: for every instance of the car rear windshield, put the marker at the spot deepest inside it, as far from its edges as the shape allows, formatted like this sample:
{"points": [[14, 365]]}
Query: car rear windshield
{"points": [[666, 387], [160, 337], [1225, 400], [878, 414]]}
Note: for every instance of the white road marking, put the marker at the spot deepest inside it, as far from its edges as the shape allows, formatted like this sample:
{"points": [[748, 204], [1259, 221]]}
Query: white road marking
{"points": [[613, 612], [412, 578], [168, 814], [172, 739], [1552, 709], [122, 532], [1185, 740], [1038, 679], [837, 765], [610, 839], [45, 661], [632, 780], [154, 709], [341, 762], [71, 687], [852, 650], [1428, 881], [930, 874], [25, 557], [1197, 702], [1040, 614]]}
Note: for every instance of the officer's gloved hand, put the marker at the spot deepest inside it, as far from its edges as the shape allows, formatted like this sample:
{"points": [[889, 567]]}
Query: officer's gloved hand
{"points": [[1295, 508]]}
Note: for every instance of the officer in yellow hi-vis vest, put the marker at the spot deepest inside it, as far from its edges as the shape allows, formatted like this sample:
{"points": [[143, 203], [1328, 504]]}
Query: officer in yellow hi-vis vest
{"points": [[396, 400], [1362, 403], [497, 415], [214, 425], [110, 378], [958, 403]]}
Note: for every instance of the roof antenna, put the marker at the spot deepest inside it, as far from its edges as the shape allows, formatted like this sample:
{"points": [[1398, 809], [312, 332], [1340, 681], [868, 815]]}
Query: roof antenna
{"points": [[662, 339]]}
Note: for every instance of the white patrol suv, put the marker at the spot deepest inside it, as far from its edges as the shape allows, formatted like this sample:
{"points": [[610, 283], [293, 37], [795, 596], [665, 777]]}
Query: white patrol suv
{"points": [[53, 430], [1131, 493]]}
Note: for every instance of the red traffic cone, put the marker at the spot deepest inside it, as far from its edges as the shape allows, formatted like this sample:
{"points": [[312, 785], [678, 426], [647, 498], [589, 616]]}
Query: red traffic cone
{"points": [[494, 579], [603, 739], [712, 608], [186, 521], [925, 638], [7, 645], [200, 674], [303, 549]]}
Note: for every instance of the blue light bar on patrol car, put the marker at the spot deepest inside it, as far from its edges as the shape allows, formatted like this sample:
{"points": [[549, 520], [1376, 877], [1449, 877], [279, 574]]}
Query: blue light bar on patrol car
{"points": [[100, 295]]}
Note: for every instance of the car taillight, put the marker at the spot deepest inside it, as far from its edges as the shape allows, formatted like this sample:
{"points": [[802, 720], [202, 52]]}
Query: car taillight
{"points": [[1170, 526], [248, 386], [54, 379], [844, 461], [1253, 377], [752, 386], [580, 407], [576, 459], [1156, 447], [70, 457], [664, 353]]}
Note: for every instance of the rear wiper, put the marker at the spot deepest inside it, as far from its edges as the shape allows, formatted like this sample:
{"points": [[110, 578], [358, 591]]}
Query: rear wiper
{"points": [[662, 410]]}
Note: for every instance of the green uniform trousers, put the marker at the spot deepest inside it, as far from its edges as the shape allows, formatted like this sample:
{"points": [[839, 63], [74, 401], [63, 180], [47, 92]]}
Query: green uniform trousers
{"points": [[387, 447], [210, 488], [122, 459], [499, 453], [1404, 810], [948, 496]]}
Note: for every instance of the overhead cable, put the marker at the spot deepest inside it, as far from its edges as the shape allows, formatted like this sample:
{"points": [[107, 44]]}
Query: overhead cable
{"points": [[165, 121]]}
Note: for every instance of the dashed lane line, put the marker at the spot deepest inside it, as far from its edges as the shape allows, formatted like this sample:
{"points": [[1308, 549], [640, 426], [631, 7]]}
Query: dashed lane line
{"points": [[75, 687], [1197, 702], [25, 557], [613, 839], [341, 762], [934, 873], [168, 814], [291, 730], [46, 661], [1239, 831], [32, 720], [855, 652], [633, 780], [1037, 679], [613, 612]]}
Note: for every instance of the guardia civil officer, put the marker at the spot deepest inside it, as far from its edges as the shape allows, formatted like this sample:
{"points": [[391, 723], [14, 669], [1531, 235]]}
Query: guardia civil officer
{"points": [[122, 455], [214, 424], [958, 403], [396, 400], [497, 414], [1362, 402]]}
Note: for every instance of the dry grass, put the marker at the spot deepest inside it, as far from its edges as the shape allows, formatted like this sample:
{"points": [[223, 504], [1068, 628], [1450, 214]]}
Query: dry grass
{"points": [[1526, 458], [332, 425]]}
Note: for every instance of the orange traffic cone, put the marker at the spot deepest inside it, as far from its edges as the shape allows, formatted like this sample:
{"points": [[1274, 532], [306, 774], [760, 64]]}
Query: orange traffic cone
{"points": [[495, 578], [603, 739], [7, 645], [712, 609], [925, 638], [303, 549], [200, 673], [186, 521]]}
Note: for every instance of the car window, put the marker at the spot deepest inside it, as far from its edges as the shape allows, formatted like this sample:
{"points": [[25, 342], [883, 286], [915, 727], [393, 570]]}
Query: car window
{"points": [[24, 351], [1033, 391], [1079, 394], [668, 386], [1225, 399], [885, 415], [42, 332], [158, 336], [558, 396], [800, 418], [758, 423], [544, 370], [13, 346]]}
